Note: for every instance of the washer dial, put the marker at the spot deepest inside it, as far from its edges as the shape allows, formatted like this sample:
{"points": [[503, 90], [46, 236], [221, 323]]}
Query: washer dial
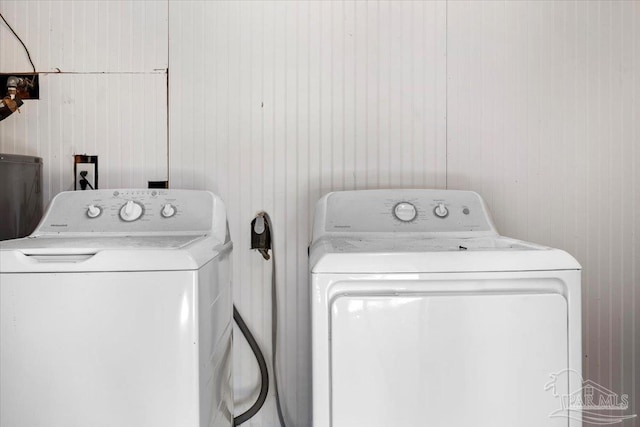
{"points": [[405, 212], [168, 211], [131, 211], [93, 211]]}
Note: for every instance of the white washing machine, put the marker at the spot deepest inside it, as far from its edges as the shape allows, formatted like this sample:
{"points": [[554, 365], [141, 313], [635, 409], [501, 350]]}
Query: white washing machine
{"points": [[117, 311], [423, 315]]}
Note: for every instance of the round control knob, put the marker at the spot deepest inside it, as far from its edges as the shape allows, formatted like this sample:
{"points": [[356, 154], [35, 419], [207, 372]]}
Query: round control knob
{"points": [[405, 212], [441, 210], [93, 211], [168, 210], [131, 211]]}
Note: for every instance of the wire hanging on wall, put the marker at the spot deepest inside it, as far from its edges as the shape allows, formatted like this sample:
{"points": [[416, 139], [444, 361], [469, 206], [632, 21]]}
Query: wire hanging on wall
{"points": [[22, 43], [12, 101]]}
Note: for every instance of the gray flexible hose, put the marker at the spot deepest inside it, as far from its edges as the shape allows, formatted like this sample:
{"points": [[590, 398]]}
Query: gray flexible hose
{"points": [[274, 323], [264, 373]]}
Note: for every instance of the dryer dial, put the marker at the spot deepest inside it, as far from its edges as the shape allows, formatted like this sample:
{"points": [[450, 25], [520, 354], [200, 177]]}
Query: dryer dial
{"points": [[405, 212], [441, 210]]}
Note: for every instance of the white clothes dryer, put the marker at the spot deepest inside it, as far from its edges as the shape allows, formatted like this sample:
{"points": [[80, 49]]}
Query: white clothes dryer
{"points": [[423, 315], [116, 311]]}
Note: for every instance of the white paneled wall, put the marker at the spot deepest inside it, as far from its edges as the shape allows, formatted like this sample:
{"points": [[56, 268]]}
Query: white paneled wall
{"points": [[544, 122], [274, 104], [85, 36], [105, 92], [536, 105], [119, 117]]}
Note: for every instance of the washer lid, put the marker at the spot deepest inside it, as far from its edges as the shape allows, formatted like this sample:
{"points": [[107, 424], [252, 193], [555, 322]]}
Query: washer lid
{"points": [[415, 254], [61, 245], [122, 230], [46, 254]]}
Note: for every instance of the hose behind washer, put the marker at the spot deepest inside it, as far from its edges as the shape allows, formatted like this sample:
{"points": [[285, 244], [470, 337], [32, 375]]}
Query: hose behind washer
{"points": [[264, 374]]}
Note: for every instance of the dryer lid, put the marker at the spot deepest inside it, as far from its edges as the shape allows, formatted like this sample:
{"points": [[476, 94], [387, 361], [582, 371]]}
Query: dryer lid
{"points": [[441, 262], [418, 231]]}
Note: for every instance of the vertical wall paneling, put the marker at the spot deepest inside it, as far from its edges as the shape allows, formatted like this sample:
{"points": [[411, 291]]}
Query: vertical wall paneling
{"points": [[103, 89], [542, 121], [274, 104], [124, 128], [85, 36]]}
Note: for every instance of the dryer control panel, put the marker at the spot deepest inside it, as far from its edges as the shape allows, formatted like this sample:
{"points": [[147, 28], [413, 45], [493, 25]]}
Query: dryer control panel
{"points": [[131, 211], [407, 210]]}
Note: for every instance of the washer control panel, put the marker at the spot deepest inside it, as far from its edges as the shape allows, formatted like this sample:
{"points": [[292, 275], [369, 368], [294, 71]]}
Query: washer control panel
{"points": [[405, 210], [129, 211]]}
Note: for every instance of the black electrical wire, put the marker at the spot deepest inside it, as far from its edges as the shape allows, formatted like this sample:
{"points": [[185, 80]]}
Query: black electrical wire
{"points": [[274, 323], [23, 45], [264, 374]]}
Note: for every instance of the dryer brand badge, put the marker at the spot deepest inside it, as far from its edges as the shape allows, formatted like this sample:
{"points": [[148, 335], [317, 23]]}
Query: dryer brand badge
{"points": [[588, 402]]}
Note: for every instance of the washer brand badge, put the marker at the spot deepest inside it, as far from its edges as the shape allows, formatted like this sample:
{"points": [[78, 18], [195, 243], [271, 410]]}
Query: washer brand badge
{"points": [[588, 402], [59, 225]]}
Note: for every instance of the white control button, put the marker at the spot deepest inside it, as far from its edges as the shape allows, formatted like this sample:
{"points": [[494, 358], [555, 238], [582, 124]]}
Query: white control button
{"points": [[94, 211], [168, 210], [441, 210], [405, 211], [131, 211]]}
